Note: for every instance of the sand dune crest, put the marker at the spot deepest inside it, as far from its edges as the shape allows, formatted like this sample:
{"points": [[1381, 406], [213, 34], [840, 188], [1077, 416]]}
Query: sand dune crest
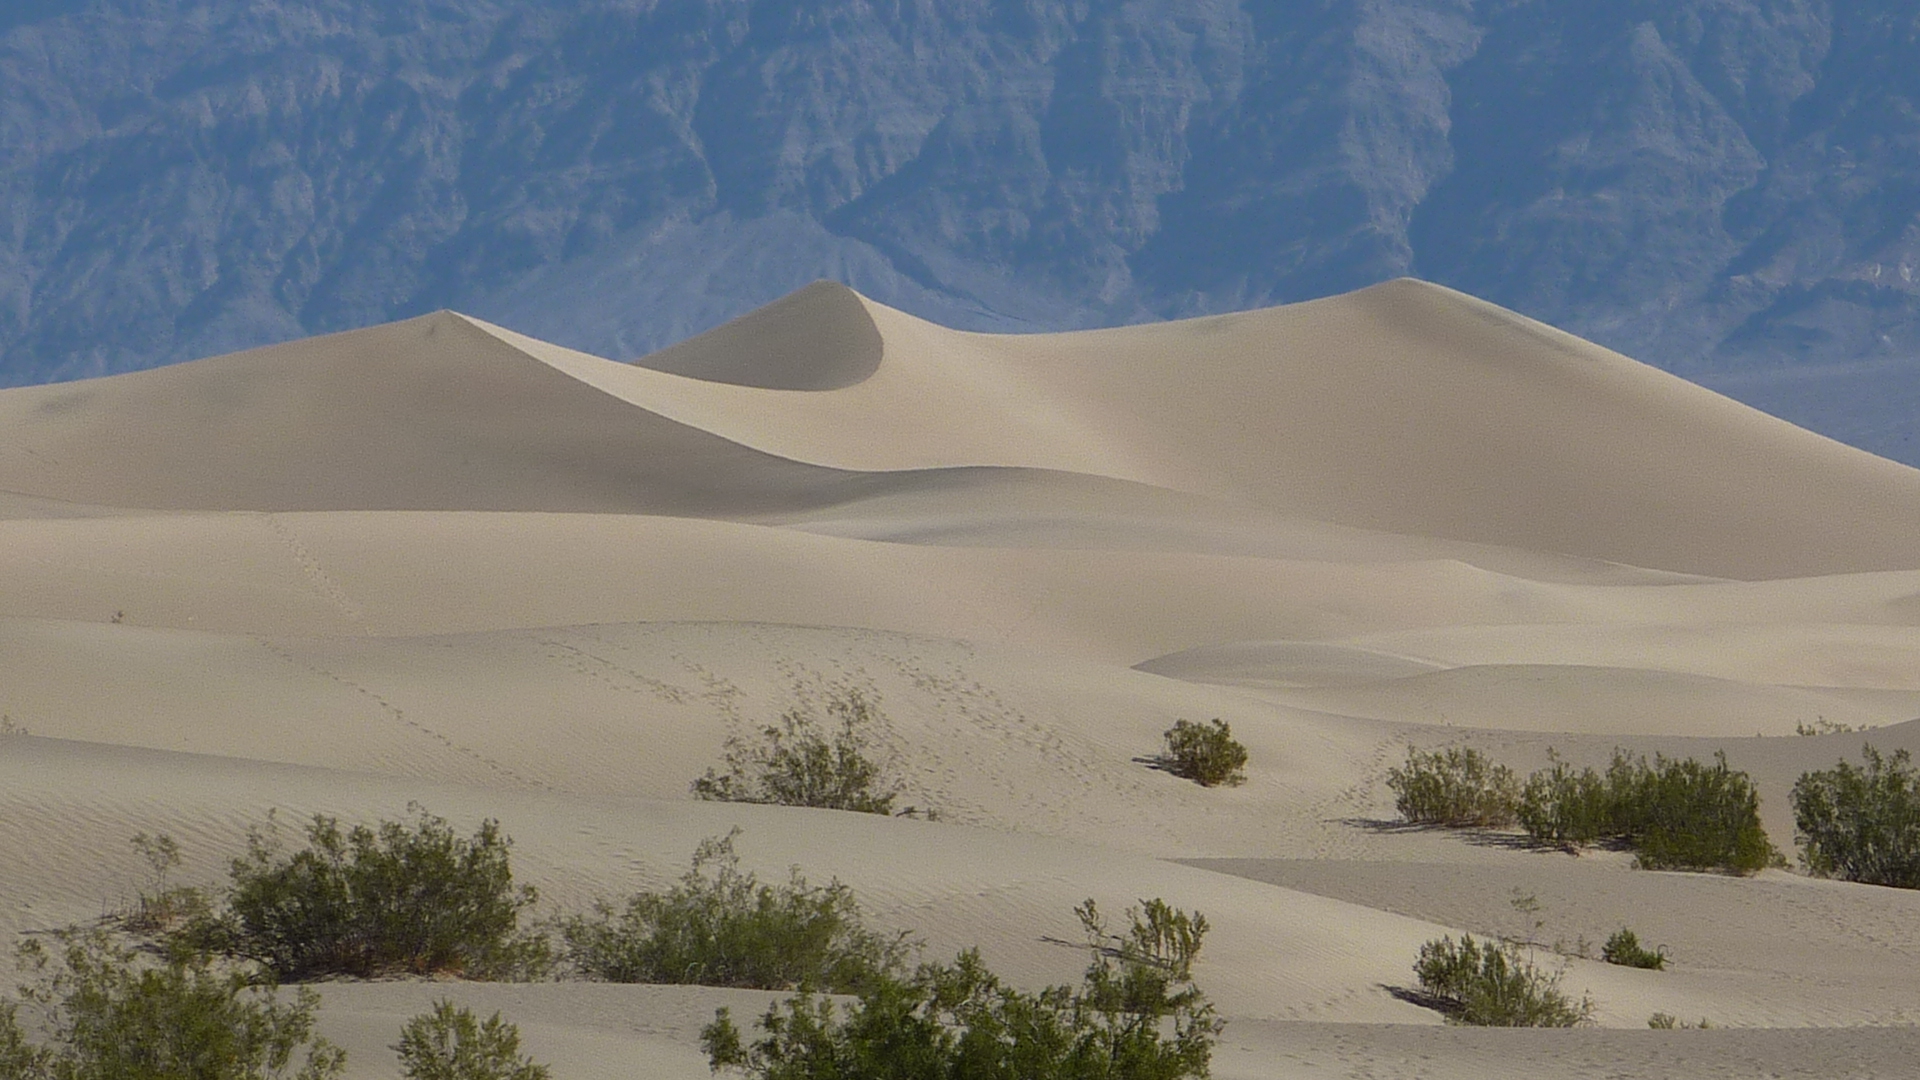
{"points": [[819, 338], [441, 560]]}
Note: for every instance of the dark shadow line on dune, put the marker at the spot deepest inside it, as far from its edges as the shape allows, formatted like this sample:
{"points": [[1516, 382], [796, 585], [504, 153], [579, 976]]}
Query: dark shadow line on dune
{"points": [[1478, 837], [1080, 946], [1413, 996], [1157, 762], [1507, 841], [1391, 827]]}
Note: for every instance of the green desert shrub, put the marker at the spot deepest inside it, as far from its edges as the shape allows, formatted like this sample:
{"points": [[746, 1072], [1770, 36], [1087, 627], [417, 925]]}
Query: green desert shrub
{"points": [[1494, 984], [1862, 823], [411, 898], [1206, 754], [1567, 807], [1135, 1016], [1455, 786], [721, 927], [19, 1058], [116, 1014], [1668, 1022], [1623, 948], [1692, 815], [452, 1044], [161, 908], [1675, 814], [800, 762]]}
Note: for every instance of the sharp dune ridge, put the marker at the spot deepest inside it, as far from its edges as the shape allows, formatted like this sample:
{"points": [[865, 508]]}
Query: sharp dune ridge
{"points": [[441, 561], [1405, 408]]}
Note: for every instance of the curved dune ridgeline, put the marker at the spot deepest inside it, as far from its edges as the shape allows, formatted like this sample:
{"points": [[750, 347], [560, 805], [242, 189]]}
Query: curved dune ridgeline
{"points": [[441, 561]]}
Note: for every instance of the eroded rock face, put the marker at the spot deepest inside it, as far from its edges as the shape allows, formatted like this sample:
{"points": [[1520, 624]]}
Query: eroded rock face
{"points": [[1704, 184]]}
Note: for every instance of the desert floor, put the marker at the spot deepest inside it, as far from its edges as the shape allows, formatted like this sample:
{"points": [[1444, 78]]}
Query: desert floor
{"points": [[439, 562]]}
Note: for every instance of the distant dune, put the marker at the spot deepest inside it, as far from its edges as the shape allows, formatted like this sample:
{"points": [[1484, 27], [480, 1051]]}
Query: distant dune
{"points": [[439, 560]]}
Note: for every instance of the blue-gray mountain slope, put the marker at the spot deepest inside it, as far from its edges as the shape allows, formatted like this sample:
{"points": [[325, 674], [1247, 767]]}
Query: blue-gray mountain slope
{"points": [[1715, 186]]}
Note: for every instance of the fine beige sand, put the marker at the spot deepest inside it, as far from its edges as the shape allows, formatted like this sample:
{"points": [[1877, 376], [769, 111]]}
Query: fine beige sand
{"points": [[438, 561]]}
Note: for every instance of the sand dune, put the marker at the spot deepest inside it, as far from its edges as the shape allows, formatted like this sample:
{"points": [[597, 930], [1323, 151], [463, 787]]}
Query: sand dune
{"points": [[435, 413], [1866, 653], [441, 561], [1287, 663], [1595, 700], [1405, 407], [411, 573]]}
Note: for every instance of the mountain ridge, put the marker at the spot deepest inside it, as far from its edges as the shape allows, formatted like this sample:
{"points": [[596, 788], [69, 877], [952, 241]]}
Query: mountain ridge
{"points": [[1704, 185]]}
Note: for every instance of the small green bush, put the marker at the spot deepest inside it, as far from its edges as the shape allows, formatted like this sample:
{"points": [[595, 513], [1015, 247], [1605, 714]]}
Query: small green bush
{"points": [[796, 763], [1690, 815], [1136, 1016], [414, 899], [20, 1059], [1862, 824], [1668, 1022], [720, 927], [451, 1044], [1564, 807], [1457, 787], [1624, 948], [1676, 815], [161, 909], [114, 1014], [1493, 984], [1205, 753]]}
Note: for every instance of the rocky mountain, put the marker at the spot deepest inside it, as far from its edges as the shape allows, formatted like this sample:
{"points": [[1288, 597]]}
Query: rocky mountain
{"points": [[1720, 187]]}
